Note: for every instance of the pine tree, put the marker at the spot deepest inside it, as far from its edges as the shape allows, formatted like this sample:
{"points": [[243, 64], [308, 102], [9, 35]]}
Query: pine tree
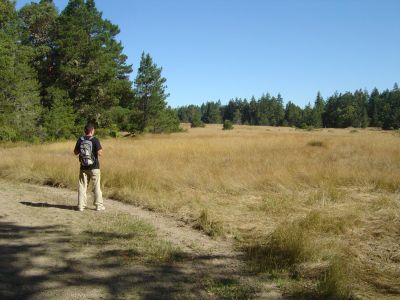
{"points": [[211, 112], [59, 119], [279, 110], [374, 103], [318, 111], [391, 108], [263, 107], [19, 99], [308, 116], [196, 120], [89, 61], [293, 115], [360, 103], [237, 117], [38, 22], [229, 110], [150, 99], [253, 110], [166, 121]]}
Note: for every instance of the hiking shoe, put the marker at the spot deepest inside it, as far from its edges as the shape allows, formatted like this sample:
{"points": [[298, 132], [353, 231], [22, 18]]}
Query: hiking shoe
{"points": [[100, 208]]}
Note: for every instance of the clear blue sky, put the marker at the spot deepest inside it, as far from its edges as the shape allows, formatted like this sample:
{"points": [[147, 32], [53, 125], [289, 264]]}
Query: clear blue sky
{"points": [[221, 49]]}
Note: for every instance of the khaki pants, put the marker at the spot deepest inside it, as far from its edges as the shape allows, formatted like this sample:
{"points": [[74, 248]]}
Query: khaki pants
{"points": [[84, 178]]}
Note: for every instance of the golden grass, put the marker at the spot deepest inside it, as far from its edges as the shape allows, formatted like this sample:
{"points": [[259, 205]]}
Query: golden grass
{"points": [[290, 197]]}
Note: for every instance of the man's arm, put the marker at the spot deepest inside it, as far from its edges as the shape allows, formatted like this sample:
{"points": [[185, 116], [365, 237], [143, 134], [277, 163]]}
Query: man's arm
{"points": [[99, 148], [76, 149]]}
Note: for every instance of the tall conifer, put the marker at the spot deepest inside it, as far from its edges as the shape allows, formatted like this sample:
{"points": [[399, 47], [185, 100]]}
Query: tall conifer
{"points": [[150, 108], [19, 97], [90, 62]]}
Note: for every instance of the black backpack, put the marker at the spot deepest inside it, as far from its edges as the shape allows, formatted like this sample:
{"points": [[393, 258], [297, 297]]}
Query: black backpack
{"points": [[86, 156]]}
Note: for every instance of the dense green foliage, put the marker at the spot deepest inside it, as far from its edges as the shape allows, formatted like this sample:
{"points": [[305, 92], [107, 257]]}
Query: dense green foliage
{"points": [[19, 88], [58, 71], [358, 109], [228, 125], [191, 114], [150, 108]]}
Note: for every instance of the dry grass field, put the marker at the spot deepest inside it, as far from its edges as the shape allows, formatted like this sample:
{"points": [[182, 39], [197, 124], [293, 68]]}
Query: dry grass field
{"points": [[317, 211]]}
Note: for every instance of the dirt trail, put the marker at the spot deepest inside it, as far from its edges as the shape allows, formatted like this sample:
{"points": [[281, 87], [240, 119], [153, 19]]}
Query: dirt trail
{"points": [[39, 258]]}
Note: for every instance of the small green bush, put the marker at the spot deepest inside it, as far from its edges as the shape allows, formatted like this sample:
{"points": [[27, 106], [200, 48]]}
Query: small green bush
{"points": [[196, 122], [114, 133], [7, 134], [228, 125], [103, 132]]}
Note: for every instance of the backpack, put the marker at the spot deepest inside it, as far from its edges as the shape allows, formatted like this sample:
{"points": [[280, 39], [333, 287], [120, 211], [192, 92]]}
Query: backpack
{"points": [[86, 156]]}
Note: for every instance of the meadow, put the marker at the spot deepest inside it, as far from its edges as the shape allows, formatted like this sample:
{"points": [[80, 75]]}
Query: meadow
{"points": [[316, 211]]}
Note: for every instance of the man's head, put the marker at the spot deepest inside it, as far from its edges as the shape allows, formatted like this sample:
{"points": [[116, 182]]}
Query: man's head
{"points": [[89, 129]]}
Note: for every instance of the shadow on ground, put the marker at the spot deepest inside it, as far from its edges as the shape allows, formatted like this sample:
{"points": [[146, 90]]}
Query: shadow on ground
{"points": [[45, 262], [48, 205]]}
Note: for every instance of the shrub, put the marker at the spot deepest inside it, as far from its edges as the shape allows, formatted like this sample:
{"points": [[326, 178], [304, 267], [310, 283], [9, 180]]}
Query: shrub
{"points": [[7, 134], [228, 125], [166, 122], [196, 121], [103, 132], [59, 119], [117, 116], [114, 133]]}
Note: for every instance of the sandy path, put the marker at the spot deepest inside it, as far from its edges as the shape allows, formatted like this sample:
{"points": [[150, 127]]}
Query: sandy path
{"points": [[39, 259]]}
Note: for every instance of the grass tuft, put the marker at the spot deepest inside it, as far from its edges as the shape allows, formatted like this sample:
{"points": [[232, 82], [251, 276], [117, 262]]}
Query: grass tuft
{"points": [[337, 280], [228, 288], [314, 268], [205, 223], [287, 245], [316, 144]]}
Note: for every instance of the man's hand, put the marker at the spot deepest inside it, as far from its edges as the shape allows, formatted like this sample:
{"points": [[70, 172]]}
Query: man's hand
{"points": [[76, 152], [100, 152]]}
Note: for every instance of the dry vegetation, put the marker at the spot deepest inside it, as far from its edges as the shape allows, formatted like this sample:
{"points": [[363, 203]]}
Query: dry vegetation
{"points": [[319, 211]]}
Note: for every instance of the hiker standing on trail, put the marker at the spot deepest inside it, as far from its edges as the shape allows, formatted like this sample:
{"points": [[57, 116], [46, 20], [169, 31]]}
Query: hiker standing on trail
{"points": [[89, 149]]}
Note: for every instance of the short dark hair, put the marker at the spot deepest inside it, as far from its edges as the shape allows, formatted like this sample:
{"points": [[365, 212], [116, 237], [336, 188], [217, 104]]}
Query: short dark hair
{"points": [[88, 128]]}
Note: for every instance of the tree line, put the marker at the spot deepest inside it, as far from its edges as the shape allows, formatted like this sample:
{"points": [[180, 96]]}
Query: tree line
{"points": [[61, 70], [358, 109]]}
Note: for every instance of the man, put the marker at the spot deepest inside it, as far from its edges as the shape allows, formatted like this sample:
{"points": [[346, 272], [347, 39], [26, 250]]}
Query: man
{"points": [[89, 149]]}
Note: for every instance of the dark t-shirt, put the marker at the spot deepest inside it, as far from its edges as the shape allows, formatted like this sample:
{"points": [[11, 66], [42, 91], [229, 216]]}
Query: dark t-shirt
{"points": [[96, 147]]}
